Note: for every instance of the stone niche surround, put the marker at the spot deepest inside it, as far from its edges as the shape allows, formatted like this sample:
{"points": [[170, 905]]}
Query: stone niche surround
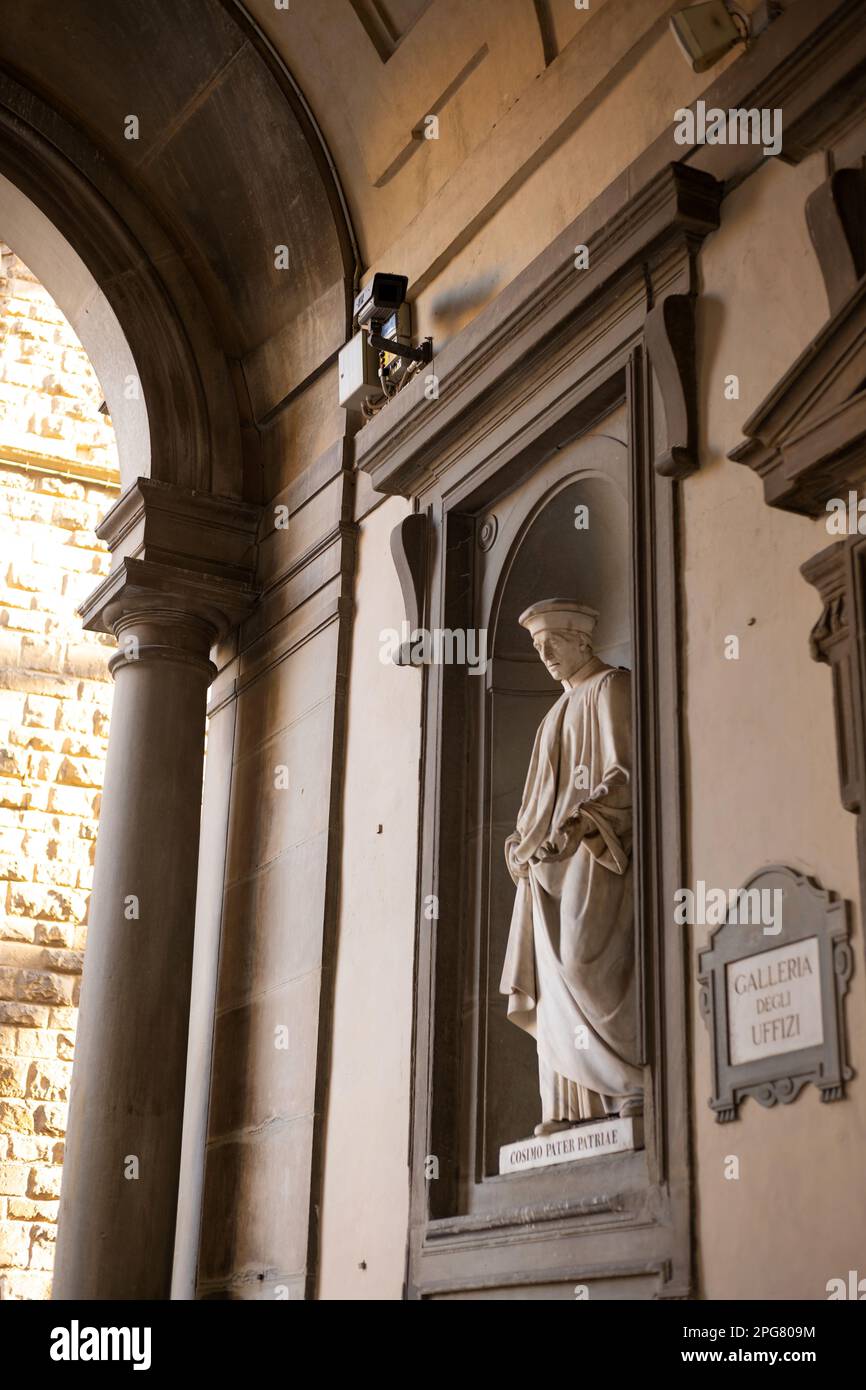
{"points": [[558, 352]]}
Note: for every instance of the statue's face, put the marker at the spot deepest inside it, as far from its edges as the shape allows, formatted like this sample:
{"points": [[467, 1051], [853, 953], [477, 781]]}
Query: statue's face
{"points": [[563, 652]]}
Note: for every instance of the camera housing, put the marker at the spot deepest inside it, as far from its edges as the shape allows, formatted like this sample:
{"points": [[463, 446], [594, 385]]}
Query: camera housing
{"points": [[379, 360], [379, 300]]}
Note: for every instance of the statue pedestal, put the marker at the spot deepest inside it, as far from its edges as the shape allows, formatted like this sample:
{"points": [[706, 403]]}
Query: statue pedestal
{"points": [[589, 1139]]}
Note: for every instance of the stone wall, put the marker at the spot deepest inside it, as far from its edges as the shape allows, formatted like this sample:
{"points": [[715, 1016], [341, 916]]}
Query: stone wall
{"points": [[58, 476]]}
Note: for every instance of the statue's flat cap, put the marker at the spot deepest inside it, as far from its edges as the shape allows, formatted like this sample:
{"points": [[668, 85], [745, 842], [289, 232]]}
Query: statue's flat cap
{"points": [[562, 614]]}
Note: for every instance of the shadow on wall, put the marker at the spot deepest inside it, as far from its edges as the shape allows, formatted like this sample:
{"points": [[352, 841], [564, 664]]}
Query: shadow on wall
{"points": [[455, 308]]}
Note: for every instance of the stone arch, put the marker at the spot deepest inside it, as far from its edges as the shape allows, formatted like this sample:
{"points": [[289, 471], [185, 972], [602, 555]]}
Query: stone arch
{"points": [[173, 383], [63, 273], [179, 228]]}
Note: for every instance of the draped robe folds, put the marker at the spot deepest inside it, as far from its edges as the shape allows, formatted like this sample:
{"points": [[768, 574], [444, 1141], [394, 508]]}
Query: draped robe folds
{"points": [[570, 959]]}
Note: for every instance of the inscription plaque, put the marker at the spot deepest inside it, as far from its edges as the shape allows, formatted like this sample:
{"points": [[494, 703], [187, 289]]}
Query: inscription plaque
{"points": [[776, 1013], [589, 1139], [774, 1002]]}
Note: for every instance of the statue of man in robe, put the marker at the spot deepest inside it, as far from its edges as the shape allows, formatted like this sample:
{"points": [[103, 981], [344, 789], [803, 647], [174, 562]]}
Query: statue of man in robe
{"points": [[569, 968]]}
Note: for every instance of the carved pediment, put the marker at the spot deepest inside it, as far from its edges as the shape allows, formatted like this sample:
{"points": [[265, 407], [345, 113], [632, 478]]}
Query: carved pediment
{"points": [[807, 440]]}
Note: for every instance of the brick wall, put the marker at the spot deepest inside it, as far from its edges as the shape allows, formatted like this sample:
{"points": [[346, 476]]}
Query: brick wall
{"points": [[58, 476]]}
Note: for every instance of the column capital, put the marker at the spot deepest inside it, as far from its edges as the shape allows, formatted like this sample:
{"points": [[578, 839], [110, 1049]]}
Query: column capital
{"points": [[175, 551]]}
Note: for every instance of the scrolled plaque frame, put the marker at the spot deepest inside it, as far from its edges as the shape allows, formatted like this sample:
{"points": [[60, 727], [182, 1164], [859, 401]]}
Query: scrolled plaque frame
{"points": [[808, 913]]}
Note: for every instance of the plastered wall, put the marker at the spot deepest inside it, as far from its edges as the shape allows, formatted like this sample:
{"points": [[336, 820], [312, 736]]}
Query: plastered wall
{"points": [[761, 788], [761, 754], [366, 1191]]}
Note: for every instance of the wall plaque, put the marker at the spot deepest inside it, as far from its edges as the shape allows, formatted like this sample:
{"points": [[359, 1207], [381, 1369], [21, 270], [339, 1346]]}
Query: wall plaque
{"points": [[772, 990]]}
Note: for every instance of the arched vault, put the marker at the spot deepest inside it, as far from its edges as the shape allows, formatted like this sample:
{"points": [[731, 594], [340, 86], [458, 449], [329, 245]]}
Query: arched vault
{"points": [[177, 172]]}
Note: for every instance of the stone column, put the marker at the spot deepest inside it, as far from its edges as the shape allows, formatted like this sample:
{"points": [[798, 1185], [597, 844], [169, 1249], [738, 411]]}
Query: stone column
{"points": [[120, 1175]]}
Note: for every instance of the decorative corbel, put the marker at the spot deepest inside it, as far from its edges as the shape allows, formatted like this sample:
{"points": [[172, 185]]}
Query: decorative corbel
{"points": [[669, 333], [836, 218], [831, 641], [409, 553]]}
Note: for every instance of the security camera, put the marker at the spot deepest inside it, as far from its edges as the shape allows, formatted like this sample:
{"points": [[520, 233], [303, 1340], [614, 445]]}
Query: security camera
{"points": [[380, 300], [380, 310], [380, 359], [706, 32]]}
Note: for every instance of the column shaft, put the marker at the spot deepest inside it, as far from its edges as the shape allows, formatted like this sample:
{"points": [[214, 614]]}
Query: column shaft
{"points": [[119, 1191]]}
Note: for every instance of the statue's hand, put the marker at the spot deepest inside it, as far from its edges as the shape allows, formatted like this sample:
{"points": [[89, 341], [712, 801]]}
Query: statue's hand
{"points": [[516, 869], [562, 844]]}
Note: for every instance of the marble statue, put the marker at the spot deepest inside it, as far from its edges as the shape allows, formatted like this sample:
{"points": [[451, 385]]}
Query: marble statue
{"points": [[569, 969]]}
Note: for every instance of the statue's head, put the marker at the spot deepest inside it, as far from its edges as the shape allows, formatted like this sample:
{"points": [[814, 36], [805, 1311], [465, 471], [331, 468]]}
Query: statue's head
{"points": [[561, 632]]}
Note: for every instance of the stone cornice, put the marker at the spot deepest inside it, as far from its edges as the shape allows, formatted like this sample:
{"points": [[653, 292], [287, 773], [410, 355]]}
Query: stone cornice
{"points": [[179, 549], [820, 81], [807, 440], [30, 461], [155, 520], [141, 586], [677, 208]]}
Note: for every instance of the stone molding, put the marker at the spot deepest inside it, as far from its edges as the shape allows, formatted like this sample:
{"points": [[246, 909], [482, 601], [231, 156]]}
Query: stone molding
{"points": [[175, 552], [807, 440], [651, 236]]}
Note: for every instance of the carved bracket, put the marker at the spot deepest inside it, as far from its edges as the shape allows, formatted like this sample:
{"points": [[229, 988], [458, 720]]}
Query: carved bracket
{"points": [[409, 553], [670, 340], [831, 573], [836, 218]]}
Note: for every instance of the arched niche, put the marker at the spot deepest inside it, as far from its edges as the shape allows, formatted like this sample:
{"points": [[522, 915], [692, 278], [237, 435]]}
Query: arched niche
{"points": [[565, 534], [590, 509]]}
